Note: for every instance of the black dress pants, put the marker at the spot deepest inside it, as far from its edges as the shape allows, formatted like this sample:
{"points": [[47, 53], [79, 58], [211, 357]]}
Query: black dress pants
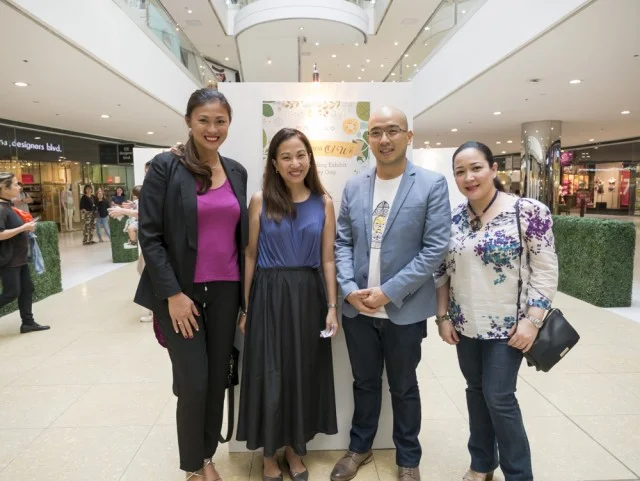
{"points": [[16, 283], [200, 370]]}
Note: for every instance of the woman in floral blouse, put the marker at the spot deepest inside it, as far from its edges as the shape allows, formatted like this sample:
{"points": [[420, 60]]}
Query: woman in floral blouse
{"points": [[477, 303]]}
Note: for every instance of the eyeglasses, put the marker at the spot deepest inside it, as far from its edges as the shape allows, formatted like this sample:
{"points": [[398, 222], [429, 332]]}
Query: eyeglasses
{"points": [[390, 131]]}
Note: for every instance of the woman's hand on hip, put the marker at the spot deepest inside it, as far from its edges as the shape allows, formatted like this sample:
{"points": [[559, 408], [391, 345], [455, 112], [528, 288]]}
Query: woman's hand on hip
{"points": [[183, 312], [523, 335], [448, 333]]}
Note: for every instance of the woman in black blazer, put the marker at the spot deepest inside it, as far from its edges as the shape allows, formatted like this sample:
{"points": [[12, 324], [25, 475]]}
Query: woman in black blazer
{"points": [[193, 229]]}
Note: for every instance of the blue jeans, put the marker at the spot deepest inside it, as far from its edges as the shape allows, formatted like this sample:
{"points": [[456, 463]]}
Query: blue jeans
{"points": [[372, 343], [104, 222], [495, 421]]}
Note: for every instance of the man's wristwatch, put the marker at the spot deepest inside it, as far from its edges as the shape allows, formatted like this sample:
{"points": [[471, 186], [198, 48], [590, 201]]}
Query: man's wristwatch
{"points": [[441, 319], [535, 321]]}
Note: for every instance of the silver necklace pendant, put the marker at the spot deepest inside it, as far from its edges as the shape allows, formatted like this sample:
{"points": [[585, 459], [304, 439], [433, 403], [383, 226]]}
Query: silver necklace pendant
{"points": [[476, 224]]}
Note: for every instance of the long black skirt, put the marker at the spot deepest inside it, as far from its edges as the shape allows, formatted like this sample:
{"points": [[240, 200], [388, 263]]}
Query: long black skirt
{"points": [[287, 394]]}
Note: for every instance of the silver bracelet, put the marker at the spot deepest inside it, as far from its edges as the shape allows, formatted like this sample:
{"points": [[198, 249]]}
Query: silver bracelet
{"points": [[332, 306]]}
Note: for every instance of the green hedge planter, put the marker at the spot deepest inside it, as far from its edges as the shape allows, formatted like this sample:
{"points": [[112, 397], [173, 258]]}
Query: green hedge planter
{"points": [[118, 253], [596, 259], [50, 282]]}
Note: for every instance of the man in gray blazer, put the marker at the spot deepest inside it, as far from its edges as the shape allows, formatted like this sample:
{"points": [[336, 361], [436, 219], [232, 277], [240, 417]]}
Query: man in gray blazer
{"points": [[393, 232]]}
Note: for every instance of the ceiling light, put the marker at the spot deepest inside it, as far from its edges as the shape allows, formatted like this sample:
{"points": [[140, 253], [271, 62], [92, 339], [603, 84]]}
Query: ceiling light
{"points": [[427, 28], [406, 55], [348, 65], [269, 62], [105, 116], [497, 113], [226, 59], [21, 84], [395, 43], [368, 60], [333, 55], [592, 140], [625, 112], [408, 66], [426, 142], [498, 142], [415, 64], [382, 65], [504, 151], [454, 130], [357, 44], [438, 143], [464, 11], [37, 138], [509, 141], [359, 78], [575, 81], [177, 29], [148, 133], [317, 44], [362, 70], [301, 28], [189, 11], [393, 74]]}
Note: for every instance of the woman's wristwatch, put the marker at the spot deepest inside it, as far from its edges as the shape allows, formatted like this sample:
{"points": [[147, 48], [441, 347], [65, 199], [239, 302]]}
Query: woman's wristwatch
{"points": [[534, 320], [441, 319], [332, 306]]}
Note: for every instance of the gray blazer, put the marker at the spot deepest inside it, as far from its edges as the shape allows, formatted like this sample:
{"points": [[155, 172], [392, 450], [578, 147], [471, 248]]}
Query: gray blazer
{"points": [[414, 243]]}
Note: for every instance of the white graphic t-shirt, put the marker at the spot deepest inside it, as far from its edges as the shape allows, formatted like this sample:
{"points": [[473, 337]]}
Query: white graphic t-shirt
{"points": [[384, 193]]}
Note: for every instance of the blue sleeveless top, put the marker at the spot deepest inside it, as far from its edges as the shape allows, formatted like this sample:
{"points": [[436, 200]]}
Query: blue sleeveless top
{"points": [[293, 242]]}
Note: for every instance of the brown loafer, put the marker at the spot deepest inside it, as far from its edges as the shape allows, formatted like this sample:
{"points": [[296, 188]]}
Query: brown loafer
{"points": [[348, 466], [472, 475], [408, 474]]}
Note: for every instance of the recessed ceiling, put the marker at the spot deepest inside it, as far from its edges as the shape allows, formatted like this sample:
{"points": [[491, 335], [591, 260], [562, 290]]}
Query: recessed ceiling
{"points": [[71, 91], [579, 48]]}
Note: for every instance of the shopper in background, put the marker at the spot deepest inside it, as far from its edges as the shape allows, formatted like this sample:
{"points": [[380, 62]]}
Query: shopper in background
{"points": [[193, 231], [477, 306], [14, 252], [287, 371], [23, 200], [88, 212], [393, 232], [102, 212], [68, 206], [119, 198]]}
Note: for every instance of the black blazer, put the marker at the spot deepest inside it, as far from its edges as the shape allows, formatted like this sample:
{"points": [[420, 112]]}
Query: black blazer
{"points": [[168, 229]]}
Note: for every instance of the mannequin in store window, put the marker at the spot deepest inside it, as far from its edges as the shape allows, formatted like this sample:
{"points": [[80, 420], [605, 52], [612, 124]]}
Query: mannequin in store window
{"points": [[88, 211], [23, 200], [68, 206], [14, 253]]}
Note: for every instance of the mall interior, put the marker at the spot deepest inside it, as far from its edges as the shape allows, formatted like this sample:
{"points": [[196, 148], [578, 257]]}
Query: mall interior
{"points": [[92, 90]]}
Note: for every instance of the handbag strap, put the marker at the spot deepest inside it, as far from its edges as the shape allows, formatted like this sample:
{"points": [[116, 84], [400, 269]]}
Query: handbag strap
{"points": [[520, 249]]}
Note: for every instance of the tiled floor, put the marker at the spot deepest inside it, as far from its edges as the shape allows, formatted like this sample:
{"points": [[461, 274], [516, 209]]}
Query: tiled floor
{"points": [[91, 399]]}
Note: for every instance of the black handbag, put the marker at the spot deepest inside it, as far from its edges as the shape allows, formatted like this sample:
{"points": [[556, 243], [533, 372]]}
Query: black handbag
{"points": [[232, 382], [556, 337]]}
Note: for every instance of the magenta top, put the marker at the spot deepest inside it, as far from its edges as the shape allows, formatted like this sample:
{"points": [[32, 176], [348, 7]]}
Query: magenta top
{"points": [[218, 217]]}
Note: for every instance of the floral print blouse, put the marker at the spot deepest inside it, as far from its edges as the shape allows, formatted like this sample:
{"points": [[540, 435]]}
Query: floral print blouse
{"points": [[483, 269]]}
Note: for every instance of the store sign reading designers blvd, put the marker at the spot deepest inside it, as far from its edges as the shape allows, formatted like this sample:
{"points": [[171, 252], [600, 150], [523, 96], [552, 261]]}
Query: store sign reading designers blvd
{"points": [[125, 154], [29, 146]]}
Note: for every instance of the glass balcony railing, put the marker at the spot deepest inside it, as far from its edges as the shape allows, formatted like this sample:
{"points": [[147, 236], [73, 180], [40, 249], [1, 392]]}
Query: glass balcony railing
{"points": [[151, 15], [244, 3], [448, 15]]}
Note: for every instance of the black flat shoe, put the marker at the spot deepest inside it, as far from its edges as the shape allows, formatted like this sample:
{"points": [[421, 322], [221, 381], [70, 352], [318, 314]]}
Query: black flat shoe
{"points": [[303, 476], [33, 327]]}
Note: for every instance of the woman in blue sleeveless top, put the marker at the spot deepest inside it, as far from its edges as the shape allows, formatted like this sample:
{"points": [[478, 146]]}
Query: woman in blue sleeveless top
{"points": [[287, 394]]}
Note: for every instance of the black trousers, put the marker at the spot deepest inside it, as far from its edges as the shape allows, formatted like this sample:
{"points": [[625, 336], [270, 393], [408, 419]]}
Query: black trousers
{"points": [[372, 344], [200, 369], [16, 283]]}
